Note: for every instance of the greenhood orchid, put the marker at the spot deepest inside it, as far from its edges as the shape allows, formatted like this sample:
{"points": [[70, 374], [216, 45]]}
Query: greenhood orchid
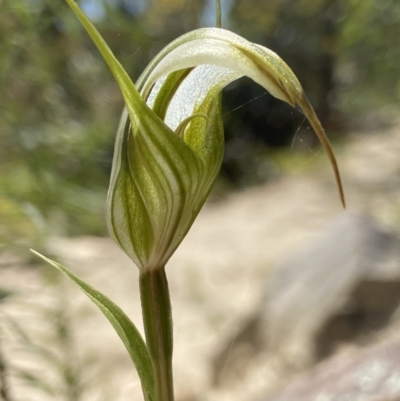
{"points": [[167, 156], [170, 143]]}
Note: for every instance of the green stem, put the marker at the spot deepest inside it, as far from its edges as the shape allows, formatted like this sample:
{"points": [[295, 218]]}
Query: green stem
{"points": [[218, 18], [157, 320]]}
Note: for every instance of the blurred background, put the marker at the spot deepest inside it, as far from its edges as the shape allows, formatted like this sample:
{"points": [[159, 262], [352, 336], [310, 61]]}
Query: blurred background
{"points": [[59, 111], [60, 105]]}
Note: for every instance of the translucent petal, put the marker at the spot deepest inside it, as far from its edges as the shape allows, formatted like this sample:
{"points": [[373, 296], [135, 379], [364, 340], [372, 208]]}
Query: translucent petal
{"points": [[223, 48], [205, 81]]}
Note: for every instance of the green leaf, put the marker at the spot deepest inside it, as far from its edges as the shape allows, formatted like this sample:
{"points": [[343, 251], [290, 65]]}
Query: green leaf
{"points": [[125, 328]]}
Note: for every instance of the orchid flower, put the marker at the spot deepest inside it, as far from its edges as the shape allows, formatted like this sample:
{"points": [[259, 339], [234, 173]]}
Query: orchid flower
{"points": [[167, 156], [169, 145]]}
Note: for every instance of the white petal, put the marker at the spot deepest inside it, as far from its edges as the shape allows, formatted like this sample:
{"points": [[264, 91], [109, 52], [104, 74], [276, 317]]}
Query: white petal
{"points": [[229, 51], [193, 91]]}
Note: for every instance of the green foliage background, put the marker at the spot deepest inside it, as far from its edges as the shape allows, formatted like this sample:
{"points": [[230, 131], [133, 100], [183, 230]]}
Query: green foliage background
{"points": [[59, 105]]}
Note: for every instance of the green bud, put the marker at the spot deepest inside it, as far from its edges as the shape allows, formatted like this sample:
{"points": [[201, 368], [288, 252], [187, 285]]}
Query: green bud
{"points": [[169, 145]]}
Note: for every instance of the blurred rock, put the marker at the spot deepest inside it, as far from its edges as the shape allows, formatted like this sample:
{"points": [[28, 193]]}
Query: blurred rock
{"points": [[371, 374], [342, 287]]}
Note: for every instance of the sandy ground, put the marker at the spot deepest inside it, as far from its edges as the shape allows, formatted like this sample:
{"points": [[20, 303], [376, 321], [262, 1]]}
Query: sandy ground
{"points": [[216, 277]]}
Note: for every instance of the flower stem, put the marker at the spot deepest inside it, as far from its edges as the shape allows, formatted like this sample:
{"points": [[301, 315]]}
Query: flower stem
{"points": [[157, 320], [218, 18]]}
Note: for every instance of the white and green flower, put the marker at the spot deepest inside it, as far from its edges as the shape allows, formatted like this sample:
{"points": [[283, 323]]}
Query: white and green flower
{"points": [[170, 142]]}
